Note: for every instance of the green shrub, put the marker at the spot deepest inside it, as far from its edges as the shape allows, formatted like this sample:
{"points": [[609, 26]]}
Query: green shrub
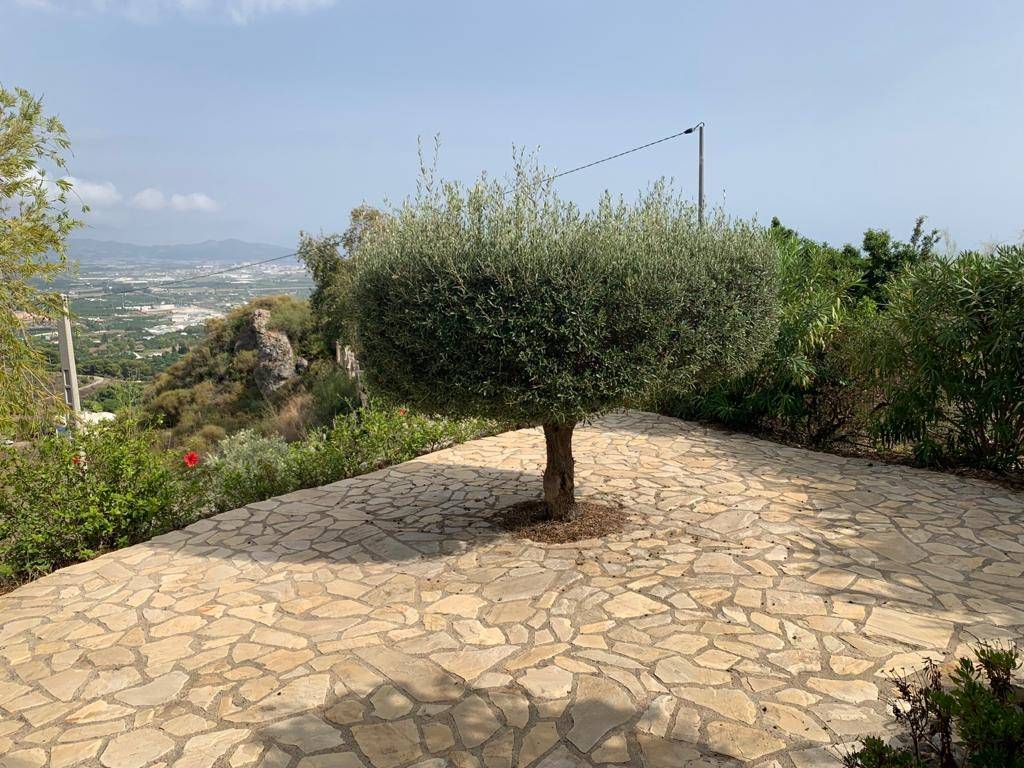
{"points": [[885, 258], [810, 386], [953, 362], [70, 498], [205, 440], [250, 467], [333, 392], [513, 304], [978, 721], [115, 397], [333, 271]]}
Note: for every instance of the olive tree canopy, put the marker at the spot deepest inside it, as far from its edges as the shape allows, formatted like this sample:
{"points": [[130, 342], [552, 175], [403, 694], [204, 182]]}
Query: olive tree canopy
{"points": [[517, 305]]}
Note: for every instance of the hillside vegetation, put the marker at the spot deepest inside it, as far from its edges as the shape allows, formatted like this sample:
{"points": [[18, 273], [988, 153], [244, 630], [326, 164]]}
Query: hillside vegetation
{"points": [[259, 367]]}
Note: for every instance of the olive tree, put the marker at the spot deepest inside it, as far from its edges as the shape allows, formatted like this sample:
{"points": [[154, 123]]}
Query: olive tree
{"points": [[515, 304]]}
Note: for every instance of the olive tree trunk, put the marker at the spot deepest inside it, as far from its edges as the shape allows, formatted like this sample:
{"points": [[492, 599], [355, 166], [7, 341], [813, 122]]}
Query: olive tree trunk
{"points": [[559, 484]]}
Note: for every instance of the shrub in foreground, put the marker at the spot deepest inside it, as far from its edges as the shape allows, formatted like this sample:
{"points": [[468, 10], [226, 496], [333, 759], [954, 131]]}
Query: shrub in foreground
{"points": [[513, 304], [976, 722], [68, 499], [953, 364]]}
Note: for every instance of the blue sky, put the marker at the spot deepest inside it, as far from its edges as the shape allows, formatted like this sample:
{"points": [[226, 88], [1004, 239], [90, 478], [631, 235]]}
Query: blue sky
{"points": [[197, 119]]}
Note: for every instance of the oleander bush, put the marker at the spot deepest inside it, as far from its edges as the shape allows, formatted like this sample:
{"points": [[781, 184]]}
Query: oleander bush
{"points": [[810, 386], [952, 360], [891, 348], [69, 498], [974, 721]]}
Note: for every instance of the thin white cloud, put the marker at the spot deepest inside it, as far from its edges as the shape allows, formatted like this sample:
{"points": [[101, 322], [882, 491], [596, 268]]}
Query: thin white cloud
{"points": [[95, 194], [104, 194], [152, 199], [149, 199], [244, 11], [239, 12], [194, 201]]}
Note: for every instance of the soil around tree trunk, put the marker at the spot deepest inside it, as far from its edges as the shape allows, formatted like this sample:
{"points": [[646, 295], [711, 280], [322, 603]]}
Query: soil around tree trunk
{"points": [[560, 473], [530, 520]]}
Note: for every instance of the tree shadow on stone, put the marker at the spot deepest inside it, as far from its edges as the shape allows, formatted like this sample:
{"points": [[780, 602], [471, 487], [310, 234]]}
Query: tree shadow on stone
{"points": [[408, 513], [429, 718]]}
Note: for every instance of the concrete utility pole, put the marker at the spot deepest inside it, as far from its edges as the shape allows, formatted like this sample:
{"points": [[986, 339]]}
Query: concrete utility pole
{"points": [[67, 359], [699, 127]]}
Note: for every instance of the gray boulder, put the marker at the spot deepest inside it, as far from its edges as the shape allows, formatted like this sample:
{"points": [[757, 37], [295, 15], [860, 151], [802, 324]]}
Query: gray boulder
{"points": [[275, 358]]}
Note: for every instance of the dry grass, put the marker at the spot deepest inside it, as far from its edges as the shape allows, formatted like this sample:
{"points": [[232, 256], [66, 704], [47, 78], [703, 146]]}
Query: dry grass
{"points": [[292, 418]]}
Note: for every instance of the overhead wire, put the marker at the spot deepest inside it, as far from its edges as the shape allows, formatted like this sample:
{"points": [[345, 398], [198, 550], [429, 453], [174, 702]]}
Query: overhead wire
{"points": [[239, 267]]}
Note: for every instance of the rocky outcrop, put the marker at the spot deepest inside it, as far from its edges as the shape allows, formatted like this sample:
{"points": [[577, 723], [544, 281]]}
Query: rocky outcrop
{"points": [[275, 358]]}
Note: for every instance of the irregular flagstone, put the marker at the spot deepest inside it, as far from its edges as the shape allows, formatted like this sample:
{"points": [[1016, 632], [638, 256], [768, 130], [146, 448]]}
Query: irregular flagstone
{"points": [[24, 758], [474, 720], [794, 722], [160, 691], [65, 684], [421, 677], [307, 732], [633, 604], [519, 583], [741, 742], [203, 751], [538, 740], [390, 744], [854, 691], [600, 705], [550, 682], [65, 755], [658, 752], [909, 628], [136, 748], [728, 702], [658, 716], [469, 664], [513, 705], [614, 749], [747, 614], [300, 695], [459, 605], [389, 703], [678, 670]]}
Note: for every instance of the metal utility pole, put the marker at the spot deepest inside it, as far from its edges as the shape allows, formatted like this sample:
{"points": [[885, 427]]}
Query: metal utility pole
{"points": [[699, 127], [67, 359]]}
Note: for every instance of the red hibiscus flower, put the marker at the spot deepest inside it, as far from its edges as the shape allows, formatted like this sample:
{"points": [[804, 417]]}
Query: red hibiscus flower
{"points": [[191, 459], [76, 459], [402, 411]]}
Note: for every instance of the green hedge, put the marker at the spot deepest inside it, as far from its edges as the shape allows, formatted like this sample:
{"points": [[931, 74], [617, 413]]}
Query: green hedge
{"points": [[249, 466], [952, 361], [930, 362], [69, 498]]}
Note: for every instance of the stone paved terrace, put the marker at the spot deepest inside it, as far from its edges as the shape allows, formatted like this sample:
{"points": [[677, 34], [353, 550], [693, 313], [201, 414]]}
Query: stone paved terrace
{"points": [[746, 616]]}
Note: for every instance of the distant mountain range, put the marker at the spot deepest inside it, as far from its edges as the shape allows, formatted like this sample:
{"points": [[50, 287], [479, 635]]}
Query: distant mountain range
{"points": [[89, 252]]}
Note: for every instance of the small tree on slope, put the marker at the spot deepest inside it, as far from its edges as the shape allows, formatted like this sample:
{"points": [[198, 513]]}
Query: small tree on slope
{"points": [[514, 304]]}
